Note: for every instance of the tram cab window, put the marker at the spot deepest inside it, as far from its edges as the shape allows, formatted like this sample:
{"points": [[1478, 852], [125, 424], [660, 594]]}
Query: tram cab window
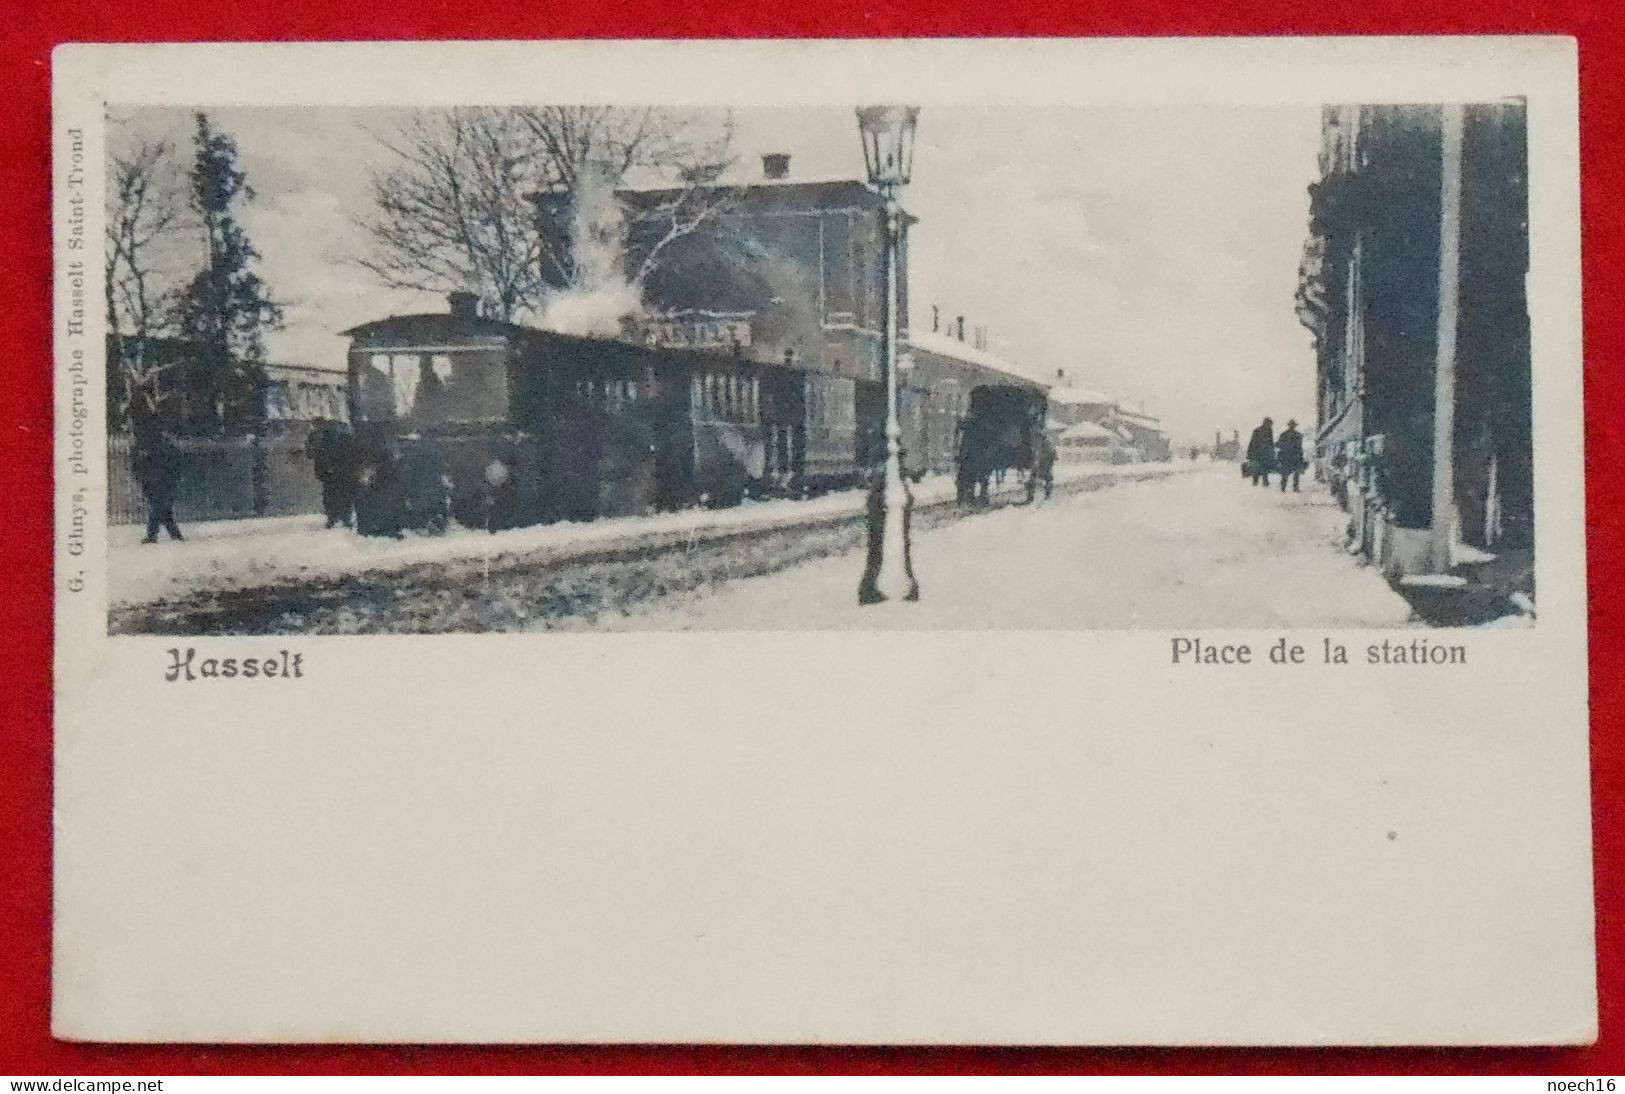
{"points": [[452, 385], [406, 381], [375, 387], [477, 386]]}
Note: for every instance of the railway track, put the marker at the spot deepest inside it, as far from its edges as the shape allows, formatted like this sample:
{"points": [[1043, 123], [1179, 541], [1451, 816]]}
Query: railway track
{"points": [[537, 589]]}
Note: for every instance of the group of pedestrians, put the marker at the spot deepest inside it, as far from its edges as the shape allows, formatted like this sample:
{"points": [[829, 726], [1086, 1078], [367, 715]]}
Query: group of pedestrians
{"points": [[360, 483], [360, 477], [331, 449], [1282, 455]]}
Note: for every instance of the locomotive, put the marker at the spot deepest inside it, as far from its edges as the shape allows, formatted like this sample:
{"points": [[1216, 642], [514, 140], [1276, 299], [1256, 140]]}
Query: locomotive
{"points": [[495, 424]]}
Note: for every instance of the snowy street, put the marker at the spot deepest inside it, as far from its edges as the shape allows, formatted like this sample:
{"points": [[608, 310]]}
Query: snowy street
{"points": [[1178, 545], [1203, 549], [222, 562]]}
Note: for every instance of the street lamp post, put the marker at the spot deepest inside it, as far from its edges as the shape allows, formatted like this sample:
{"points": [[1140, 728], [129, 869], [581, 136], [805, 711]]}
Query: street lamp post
{"points": [[888, 155]]}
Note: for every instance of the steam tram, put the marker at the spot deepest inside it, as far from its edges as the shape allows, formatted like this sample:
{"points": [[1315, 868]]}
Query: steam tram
{"points": [[494, 424]]}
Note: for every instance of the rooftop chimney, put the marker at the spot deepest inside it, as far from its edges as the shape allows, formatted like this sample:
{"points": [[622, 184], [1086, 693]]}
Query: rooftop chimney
{"points": [[959, 327], [775, 165], [464, 305], [703, 174], [936, 322]]}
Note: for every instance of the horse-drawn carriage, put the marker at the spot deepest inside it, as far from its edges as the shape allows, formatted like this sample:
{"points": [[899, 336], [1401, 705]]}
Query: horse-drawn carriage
{"points": [[1000, 434]]}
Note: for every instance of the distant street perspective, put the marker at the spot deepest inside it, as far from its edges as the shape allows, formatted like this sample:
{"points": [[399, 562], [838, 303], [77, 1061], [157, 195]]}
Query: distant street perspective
{"points": [[534, 368], [1183, 550]]}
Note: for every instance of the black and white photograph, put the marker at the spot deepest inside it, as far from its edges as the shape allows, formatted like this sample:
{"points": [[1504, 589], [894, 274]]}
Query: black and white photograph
{"points": [[920, 542], [551, 366]]}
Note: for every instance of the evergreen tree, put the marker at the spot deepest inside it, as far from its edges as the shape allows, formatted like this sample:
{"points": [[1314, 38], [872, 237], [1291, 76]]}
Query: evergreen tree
{"points": [[226, 309]]}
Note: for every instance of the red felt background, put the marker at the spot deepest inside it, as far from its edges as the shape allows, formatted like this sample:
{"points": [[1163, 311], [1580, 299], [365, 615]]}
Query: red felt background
{"points": [[32, 27]]}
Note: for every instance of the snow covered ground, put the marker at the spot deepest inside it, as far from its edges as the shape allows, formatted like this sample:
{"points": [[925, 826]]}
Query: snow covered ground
{"points": [[1202, 549], [225, 556]]}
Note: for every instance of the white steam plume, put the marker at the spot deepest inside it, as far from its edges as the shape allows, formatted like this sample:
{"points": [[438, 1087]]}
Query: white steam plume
{"points": [[600, 297]]}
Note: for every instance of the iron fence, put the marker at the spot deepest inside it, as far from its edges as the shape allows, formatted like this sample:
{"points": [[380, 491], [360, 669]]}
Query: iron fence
{"points": [[221, 478]]}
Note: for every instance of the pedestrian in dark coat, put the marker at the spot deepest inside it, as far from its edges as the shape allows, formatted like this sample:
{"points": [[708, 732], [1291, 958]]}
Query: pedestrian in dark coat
{"points": [[1043, 470], [1289, 455], [332, 454], [156, 462], [967, 457], [1261, 453], [380, 503]]}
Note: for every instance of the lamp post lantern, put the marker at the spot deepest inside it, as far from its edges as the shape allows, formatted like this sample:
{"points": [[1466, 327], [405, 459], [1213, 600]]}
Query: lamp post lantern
{"points": [[888, 156]]}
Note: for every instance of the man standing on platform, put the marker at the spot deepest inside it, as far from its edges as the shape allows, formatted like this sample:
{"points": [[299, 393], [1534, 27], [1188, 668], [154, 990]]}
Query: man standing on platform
{"points": [[332, 454]]}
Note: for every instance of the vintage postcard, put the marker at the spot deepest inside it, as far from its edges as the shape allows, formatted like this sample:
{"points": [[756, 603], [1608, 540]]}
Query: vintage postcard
{"points": [[1010, 542]]}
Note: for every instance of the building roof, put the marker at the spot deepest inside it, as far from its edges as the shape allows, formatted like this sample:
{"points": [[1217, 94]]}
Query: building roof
{"points": [[1073, 395], [948, 346], [182, 347], [1144, 421], [783, 194], [1090, 431]]}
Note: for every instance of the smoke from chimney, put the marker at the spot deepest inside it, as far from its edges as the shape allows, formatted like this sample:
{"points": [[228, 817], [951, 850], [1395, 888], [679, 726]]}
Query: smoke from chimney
{"points": [[600, 298]]}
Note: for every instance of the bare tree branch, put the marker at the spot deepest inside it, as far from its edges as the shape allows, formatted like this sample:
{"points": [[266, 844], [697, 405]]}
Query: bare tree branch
{"points": [[519, 204], [146, 212], [688, 149], [453, 212]]}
